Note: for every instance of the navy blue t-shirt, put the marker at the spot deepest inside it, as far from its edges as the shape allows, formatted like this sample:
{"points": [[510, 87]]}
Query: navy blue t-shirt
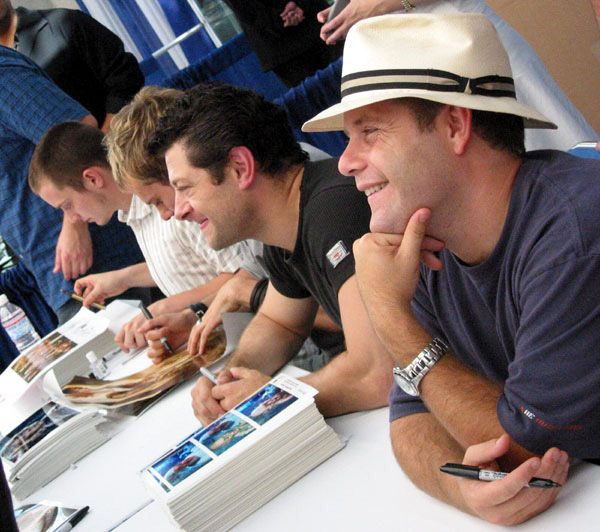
{"points": [[528, 318]]}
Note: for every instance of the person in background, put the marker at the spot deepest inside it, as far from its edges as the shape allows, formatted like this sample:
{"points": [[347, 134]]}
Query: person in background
{"points": [[85, 59], [534, 83], [7, 512], [45, 242], [284, 35], [481, 275]]}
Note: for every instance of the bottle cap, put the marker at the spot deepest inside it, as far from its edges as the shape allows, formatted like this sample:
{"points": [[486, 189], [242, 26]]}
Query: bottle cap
{"points": [[91, 356], [3, 299]]}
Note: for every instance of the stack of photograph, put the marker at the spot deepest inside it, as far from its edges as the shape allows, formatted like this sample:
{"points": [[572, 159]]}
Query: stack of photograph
{"points": [[46, 444], [64, 349], [62, 352], [225, 471]]}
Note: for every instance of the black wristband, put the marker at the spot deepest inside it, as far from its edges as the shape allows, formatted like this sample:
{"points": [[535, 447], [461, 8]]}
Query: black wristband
{"points": [[199, 309], [258, 294]]}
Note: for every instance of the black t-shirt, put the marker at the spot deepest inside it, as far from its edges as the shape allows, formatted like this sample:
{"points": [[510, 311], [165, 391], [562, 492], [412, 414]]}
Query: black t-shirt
{"points": [[333, 214]]}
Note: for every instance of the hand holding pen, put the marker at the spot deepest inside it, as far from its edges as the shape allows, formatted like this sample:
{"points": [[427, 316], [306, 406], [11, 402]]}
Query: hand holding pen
{"points": [[509, 501], [487, 475], [149, 316]]}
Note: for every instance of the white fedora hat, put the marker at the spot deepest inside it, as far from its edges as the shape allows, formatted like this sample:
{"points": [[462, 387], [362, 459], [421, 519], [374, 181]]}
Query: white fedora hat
{"points": [[455, 59]]}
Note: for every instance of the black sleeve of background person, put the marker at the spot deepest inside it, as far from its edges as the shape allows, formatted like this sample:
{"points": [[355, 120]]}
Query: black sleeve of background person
{"points": [[260, 15], [7, 514], [116, 70]]}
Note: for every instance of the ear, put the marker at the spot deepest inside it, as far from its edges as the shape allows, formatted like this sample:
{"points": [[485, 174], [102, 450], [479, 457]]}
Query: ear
{"points": [[93, 179], [243, 165], [457, 126]]}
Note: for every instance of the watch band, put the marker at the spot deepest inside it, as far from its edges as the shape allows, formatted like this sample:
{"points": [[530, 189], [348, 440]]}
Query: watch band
{"points": [[199, 309], [409, 378], [258, 294], [426, 359]]}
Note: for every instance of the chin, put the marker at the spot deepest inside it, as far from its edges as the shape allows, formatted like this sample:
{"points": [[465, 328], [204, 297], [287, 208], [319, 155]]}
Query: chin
{"points": [[378, 227]]}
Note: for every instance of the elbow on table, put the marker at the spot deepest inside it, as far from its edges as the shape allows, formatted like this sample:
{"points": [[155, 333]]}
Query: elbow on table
{"points": [[377, 383]]}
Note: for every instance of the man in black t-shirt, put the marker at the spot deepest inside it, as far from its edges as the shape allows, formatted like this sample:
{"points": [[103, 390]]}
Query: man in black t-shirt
{"points": [[238, 171]]}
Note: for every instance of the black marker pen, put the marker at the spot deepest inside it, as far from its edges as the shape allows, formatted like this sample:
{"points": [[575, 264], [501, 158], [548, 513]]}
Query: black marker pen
{"points": [[465, 471], [148, 316]]}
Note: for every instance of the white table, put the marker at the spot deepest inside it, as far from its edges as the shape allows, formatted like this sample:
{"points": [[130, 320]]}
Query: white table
{"points": [[361, 488]]}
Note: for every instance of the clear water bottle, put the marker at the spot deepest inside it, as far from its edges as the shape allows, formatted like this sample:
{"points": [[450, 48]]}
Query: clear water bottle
{"points": [[17, 324], [98, 367]]}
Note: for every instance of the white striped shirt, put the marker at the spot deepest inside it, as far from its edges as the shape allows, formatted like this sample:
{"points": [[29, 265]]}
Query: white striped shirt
{"points": [[177, 254]]}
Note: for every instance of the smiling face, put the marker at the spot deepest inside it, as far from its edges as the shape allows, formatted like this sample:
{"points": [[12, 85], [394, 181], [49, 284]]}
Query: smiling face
{"points": [[221, 210], [78, 205], [157, 194], [394, 162]]}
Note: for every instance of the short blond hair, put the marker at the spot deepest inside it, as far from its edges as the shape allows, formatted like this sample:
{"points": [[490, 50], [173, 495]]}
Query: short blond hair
{"points": [[130, 132]]}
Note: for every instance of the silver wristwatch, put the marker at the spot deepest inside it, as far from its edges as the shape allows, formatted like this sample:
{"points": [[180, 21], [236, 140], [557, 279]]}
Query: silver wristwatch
{"points": [[408, 378]]}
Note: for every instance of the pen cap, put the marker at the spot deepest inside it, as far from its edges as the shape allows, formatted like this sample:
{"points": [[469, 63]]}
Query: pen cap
{"points": [[91, 356]]}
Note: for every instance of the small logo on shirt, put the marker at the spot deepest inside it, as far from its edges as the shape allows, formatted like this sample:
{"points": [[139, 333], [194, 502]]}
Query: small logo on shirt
{"points": [[337, 253], [529, 414]]}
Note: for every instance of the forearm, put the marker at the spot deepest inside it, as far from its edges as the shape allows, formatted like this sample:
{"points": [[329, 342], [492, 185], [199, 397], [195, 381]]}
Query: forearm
{"points": [[265, 346], [461, 400], [106, 124], [241, 287], [348, 384], [205, 293], [421, 446], [137, 275], [89, 120]]}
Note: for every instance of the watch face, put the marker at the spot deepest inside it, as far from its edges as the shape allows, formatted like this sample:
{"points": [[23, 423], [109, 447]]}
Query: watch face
{"points": [[404, 383]]}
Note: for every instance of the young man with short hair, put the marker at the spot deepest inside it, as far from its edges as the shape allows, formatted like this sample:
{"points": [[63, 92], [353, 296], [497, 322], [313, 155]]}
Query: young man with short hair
{"points": [[45, 242]]}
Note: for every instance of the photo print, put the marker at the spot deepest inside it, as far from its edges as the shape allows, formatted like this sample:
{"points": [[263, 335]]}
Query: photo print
{"points": [[180, 464], [266, 404], [34, 429], [41, 355], [224, 433]]}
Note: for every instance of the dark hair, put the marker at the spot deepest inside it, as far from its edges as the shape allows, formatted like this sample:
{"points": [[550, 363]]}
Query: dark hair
{"points": [[212, 118], [64, 152], [500, 130], [7, 12]]}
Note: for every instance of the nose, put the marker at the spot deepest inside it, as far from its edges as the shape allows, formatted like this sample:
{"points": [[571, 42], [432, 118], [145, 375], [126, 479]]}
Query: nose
{"points": [[351, 162], [165, 212], [182, 207]]}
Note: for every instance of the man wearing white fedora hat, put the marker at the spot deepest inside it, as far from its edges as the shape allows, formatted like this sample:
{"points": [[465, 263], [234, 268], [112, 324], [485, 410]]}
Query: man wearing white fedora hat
{"points": [[496, 331]]}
